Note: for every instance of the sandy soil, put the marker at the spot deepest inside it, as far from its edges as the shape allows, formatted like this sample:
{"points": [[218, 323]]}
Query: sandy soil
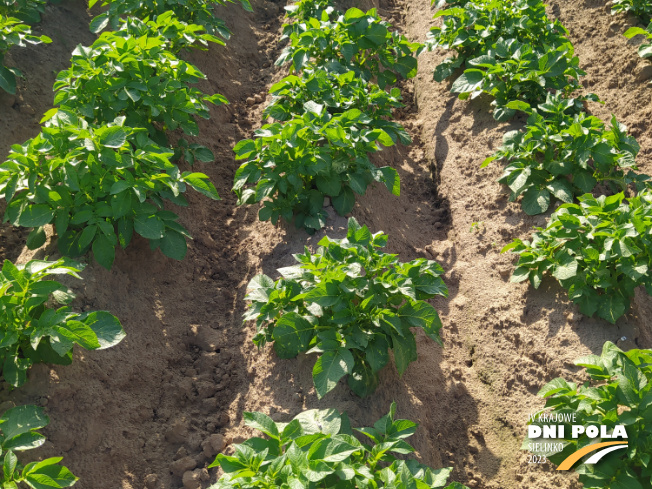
{"points": [[143, 413]]}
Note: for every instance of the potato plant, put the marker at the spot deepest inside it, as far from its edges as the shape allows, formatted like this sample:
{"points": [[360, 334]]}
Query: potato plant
{"points": [[303, 10], [509, 49], [199, 12], [350, 303], [14, 33], [645, 48], [322, 151], [97, 185], [563, 153], [318, 449], [356, 41], [640, 8], [138, 77], [28, 11], [33, 331], [337, 93], [19, 432], [619, 393], [599, 250]]}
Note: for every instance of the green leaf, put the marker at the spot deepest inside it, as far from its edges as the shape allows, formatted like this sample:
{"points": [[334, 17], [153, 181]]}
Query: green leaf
{"points": [[202, 184], [263, 423], [7, 80], [344, 202], [536, 201], [104, 251], [292, 335], [363, 380], [36, 238], [611, 307], [405, 351], [106, 327], [149, 226], [469, 81], [174, 244], [391, 180], [35, 215], [330, 368], [112, 137], [22, 419]]}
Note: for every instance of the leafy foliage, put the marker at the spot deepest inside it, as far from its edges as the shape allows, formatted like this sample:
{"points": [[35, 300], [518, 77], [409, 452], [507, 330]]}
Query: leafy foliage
{"points": [[620, 393], [509, 49], [563, 153], [331, 117], [317, 449], [599, 250], [303, 10], [356, 41], [645, 48], [133, 73], [640, 8], [198, 12], [19, 427], [100, 169], [28, 11], [350, 303], [337, 93], [14, 33], [32, 332], [322, 151], [97, 185]]}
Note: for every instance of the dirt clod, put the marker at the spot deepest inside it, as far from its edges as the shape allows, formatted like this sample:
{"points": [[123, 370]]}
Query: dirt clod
{"points": [[179, 467], [191, 479]]}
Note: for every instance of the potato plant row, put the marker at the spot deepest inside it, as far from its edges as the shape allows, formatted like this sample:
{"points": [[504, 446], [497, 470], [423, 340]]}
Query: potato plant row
{"points": [[348, 302], [102, 167], [562, 155], [99, 169], [596, 243], [328, 116]]}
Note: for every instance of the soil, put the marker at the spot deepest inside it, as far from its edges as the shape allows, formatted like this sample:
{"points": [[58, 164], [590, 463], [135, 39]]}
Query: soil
{"points": [[147, 411]]}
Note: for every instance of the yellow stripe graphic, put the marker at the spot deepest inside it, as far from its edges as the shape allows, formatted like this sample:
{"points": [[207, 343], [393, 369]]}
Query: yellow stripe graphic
{"points": [[571, 459]]}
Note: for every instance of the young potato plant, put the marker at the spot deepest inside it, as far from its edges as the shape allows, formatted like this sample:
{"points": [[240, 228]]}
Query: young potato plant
{"points": [[351, 304], [28, 11], [97, 185], [303, 10], [338, 93], [599, 250], [356, 41], [18, 432], [179, 35], [292, 167], [514, 72], [318, 449], [619, 393], [563, 153], [471, 28], [645, 49], [198, 12], [138, 77], [33, 332], [640, 8], [509, 49], [14, 33]]}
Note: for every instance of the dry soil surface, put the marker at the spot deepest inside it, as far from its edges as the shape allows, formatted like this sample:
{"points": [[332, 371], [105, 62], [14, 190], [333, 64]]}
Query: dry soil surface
{"points": [[172, 394]]}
